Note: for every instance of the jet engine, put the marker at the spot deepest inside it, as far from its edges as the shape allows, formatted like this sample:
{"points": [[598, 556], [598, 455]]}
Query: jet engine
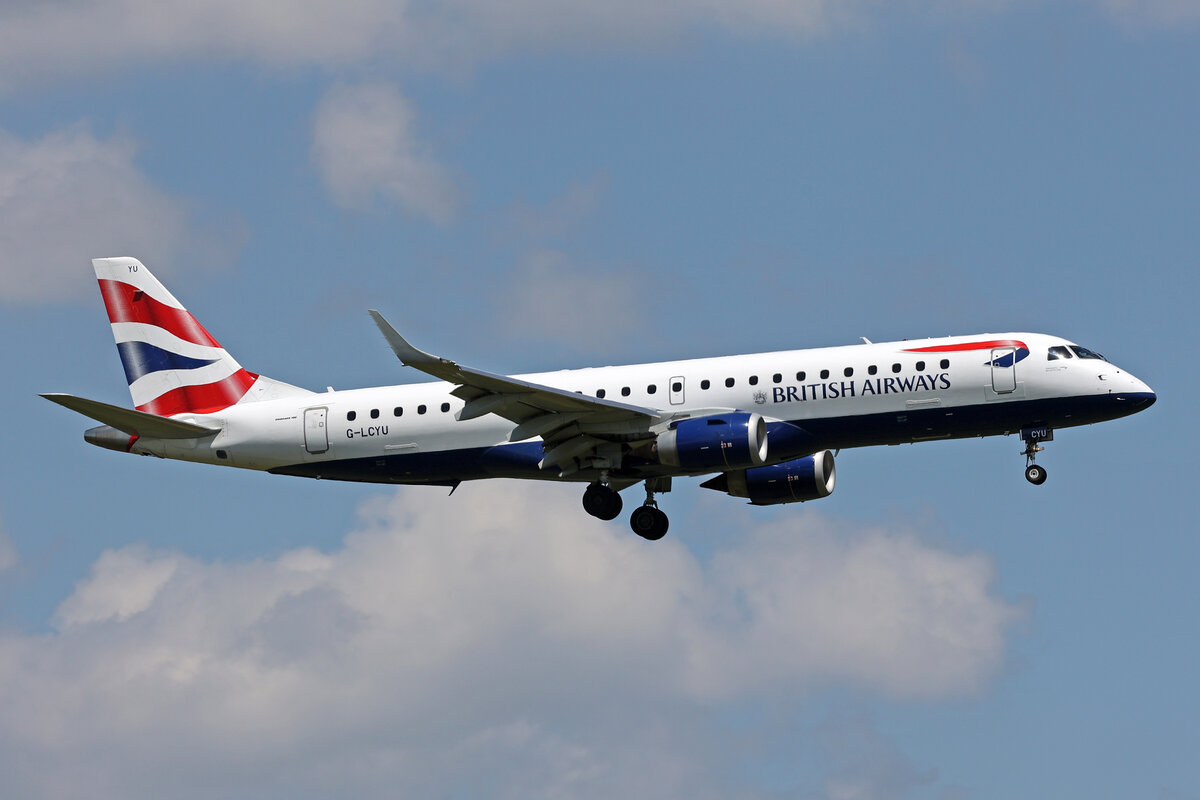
{"points": [[808, 478], [720, 441]]}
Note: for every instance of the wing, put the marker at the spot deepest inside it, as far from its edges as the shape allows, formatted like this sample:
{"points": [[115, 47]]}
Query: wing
{"points": [[576, 429]]}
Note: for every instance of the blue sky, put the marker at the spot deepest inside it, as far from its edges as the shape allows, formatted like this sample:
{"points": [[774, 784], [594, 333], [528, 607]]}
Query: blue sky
{"points": [[549, 185]]}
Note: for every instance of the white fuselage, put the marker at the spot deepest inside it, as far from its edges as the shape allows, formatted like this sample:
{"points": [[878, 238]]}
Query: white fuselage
{"points": [[881, 393]]}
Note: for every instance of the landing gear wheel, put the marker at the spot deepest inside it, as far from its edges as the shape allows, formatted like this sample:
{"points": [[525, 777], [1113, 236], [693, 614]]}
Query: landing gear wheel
{"points": [[649, 523], [602, 501], [1035, 474]]}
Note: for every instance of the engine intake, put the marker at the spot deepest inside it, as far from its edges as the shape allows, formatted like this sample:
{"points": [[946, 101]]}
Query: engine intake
{"points": [[720, 441], [808, 478]]}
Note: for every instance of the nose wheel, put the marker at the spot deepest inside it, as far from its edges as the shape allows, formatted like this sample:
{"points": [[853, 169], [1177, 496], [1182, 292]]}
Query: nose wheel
{"points": [[1033, 473]]}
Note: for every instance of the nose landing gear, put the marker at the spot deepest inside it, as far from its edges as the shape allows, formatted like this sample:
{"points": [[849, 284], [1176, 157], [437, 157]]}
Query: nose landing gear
{"points": [[1033, 473]]}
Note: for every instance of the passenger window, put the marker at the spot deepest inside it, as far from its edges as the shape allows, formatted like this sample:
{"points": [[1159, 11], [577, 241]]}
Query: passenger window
{"points": [[676, 387], [421, 409], [895, 367], [374, 413], [945, 363], [600, 393], [824, 374], [801, 375], [397, 411], [777, 378], [624, 391], [871, 370], [651, 389], [848, 371], [920, 366], [704, 384], [351, 415], [445, 407], [729, 383], [754, 380]]}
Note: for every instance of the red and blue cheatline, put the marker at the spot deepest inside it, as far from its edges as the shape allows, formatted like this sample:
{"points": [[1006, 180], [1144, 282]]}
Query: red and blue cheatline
{"points": [[1017, 350]]}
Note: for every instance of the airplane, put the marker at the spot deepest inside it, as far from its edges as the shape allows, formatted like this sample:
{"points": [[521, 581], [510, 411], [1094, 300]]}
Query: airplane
{"points": [[764, 426]]}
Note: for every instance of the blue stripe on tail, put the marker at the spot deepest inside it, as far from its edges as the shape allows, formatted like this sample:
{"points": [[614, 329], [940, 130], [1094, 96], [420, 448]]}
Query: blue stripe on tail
{"points": [[141, 358]]}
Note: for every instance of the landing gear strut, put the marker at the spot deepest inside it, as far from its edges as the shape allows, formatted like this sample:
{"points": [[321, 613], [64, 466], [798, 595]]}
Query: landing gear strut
{"points": [[1033, 473], [647, 520]]}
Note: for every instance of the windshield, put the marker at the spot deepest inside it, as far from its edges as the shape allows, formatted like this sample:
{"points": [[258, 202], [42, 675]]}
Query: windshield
{"points": [[1083, 352], [1057, 353]]}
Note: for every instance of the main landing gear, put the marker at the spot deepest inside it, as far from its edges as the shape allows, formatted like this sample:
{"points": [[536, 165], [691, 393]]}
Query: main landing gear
{"points": [[647, 520], [1033, 473], [602, 501]]}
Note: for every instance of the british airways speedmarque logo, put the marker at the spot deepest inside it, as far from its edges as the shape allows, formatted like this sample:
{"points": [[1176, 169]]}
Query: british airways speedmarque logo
{"points": [[1018, 352]]}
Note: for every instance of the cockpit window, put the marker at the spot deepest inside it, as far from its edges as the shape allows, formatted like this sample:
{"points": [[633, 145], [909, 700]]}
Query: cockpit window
{"points": [[1058, 352], [1083, 352]]}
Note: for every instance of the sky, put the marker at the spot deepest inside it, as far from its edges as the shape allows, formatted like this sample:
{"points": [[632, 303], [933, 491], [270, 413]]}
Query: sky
{"points": [[535, 185]]}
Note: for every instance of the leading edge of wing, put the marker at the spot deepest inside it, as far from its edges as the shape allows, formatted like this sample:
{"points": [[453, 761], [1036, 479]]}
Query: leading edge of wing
{"points": [[536, 395]]}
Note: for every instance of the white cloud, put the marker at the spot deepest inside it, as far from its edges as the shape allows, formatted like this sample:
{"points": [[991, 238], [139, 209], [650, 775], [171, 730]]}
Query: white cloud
{"points": [[123, 583], [58, 38], [69, 197], [549, 298], [364, 147], [562, 215], [497, 643]]}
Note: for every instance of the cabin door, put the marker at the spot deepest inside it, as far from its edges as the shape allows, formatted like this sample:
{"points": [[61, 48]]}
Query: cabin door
{"points": [[316, 435], [1004, 370]]}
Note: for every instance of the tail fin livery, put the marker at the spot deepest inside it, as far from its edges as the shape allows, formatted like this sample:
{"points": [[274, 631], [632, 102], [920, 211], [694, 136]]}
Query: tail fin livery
{"points": [[172, 363]]}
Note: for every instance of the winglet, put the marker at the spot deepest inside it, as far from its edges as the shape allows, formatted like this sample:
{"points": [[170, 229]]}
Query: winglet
{"points": [[404, 351]]}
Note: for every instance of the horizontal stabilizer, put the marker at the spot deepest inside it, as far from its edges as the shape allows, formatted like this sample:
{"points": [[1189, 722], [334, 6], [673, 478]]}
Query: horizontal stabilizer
{"points": [[135, 423]]}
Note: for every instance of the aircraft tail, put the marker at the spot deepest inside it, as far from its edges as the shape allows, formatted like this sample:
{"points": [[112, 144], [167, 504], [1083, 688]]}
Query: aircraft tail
{"points": [[173, 365]]}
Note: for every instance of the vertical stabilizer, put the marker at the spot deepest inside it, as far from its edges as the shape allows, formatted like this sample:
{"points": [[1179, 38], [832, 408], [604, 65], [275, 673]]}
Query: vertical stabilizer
{"points": [[172, 363]]}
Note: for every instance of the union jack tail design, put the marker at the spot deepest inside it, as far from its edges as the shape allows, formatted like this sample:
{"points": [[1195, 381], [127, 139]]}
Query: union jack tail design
{"points": [[173, 364]]}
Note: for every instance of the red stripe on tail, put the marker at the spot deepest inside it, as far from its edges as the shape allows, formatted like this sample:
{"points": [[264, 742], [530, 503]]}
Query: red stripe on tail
{"points": [[127, 303], [206, 398]]}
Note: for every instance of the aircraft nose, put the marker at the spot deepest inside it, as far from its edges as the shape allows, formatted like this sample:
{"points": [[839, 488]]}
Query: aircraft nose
{"points": [[1142, 395]]}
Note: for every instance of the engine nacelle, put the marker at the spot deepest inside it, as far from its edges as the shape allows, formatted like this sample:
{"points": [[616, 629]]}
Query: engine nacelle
{"points": [[808, 478], [720, 441]]}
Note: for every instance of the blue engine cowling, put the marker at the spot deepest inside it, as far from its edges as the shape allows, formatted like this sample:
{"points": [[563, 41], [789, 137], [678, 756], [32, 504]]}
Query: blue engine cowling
{"points": [[719, 441], [808, 478]]}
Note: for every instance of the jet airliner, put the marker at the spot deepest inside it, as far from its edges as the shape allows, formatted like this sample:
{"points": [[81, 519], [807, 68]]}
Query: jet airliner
{"points": [[764, 427]]}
